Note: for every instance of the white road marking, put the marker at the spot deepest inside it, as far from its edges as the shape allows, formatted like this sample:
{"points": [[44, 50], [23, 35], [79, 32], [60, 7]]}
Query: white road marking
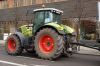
{"points": [[37, 65], [11, 63], [40, 65]]}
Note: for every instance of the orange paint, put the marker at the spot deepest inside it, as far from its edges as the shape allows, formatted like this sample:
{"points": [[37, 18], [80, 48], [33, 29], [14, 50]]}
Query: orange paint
{"points": [[10, 3], [1, 0]]}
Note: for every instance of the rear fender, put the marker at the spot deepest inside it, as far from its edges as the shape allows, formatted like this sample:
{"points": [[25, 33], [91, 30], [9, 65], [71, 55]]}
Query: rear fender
{"points": [[62, 28], [59, 28], [49, 26], [55, 25]]}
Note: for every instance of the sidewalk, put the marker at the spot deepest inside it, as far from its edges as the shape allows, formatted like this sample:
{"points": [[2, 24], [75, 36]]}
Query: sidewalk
{"points": [[85, 50]]}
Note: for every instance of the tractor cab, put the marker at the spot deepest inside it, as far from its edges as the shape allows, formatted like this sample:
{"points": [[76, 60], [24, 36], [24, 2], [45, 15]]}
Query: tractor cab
{"points": [[46, 15]]}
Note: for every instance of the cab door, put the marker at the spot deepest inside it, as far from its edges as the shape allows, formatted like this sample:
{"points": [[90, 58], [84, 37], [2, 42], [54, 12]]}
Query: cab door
{"points": [[38, 20]]}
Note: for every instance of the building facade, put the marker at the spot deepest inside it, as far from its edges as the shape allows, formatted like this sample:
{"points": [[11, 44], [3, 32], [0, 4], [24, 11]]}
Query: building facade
{"points": [[19, 3], [82, 15]]}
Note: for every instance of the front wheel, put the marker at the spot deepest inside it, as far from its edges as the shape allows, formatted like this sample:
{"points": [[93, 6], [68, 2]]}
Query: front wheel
{"points": [[13, 45], [48, 44]]}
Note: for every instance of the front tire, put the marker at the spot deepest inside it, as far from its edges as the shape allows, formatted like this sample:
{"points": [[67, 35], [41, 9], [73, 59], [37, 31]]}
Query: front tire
{"points": [[13, 45], [48, 44]]}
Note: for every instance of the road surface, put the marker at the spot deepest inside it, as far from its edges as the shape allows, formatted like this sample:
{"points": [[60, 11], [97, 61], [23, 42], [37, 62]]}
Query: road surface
{"points": [[27, 59]]}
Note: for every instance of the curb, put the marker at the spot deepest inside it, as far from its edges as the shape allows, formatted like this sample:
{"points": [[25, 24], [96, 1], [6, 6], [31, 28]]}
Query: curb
{"points": [[88, 51]]}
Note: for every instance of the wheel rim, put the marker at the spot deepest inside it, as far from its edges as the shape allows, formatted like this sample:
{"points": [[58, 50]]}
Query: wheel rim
{"points": [[11, 45], [46, 44]]}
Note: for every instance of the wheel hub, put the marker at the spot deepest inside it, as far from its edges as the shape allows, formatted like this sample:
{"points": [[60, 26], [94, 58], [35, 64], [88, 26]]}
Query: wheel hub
{"points": [[11, 45], [46, 43]]}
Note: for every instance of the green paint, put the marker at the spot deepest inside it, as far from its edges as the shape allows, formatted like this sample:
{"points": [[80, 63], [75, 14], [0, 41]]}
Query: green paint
{"points": [[65, 28], [26, 32]]}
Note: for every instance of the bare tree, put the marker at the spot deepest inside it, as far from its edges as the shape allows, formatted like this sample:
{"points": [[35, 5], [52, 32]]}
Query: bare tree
{"points": [[15, 13], [79, 9]]}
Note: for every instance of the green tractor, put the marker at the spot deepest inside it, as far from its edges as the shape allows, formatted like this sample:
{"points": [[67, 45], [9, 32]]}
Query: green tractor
{"points": [[47, 36]]}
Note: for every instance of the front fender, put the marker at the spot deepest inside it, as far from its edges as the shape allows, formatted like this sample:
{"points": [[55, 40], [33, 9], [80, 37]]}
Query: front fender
{"points": [[22, 38]]}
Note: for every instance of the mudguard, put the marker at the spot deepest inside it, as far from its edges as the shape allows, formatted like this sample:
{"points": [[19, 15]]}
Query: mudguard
{"points": [[63, 29], [23, 39]]}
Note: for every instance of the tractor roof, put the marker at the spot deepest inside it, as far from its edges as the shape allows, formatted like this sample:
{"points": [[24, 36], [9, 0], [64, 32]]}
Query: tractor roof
{"points": [[51, 9]]}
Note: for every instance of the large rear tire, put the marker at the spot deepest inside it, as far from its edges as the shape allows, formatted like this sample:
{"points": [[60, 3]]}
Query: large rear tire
{"points": [[13, 45], [48, 44]]}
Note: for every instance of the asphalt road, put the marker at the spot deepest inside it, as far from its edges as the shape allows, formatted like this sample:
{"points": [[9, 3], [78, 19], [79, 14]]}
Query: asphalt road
{"points": [[27, 59]]}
